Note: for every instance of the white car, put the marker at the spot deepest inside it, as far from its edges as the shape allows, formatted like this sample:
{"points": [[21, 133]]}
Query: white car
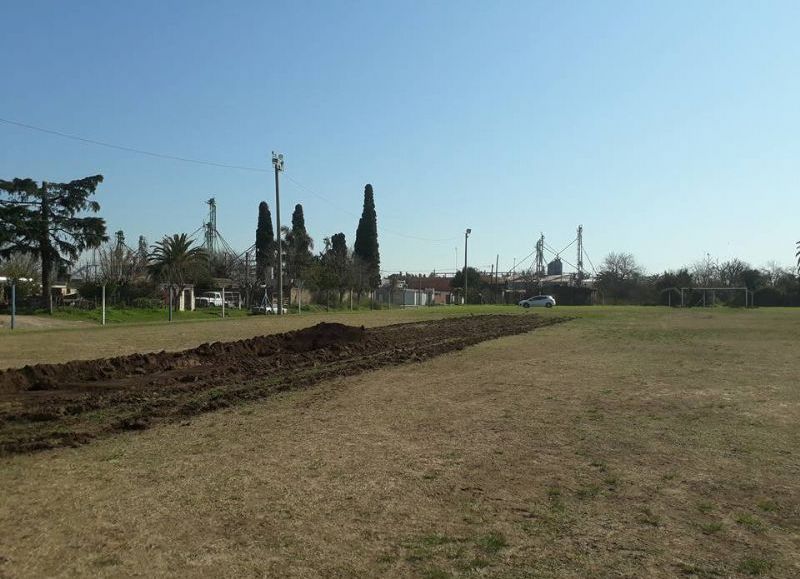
{"points": [[538, 302], [207, 299]]}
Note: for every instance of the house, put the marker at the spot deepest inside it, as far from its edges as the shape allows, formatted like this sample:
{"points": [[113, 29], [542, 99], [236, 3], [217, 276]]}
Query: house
{"points": [[185, 301], [415, 290]]}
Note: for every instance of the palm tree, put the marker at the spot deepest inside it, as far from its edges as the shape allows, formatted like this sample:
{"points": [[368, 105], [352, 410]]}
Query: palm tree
{"points": [[174, 260]]}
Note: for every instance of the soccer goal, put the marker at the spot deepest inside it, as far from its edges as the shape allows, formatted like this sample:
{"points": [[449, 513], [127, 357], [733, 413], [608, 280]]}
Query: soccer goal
{"points": [[708, 296]]}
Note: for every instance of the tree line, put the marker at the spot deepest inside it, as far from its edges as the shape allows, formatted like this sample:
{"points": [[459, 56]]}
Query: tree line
{"points": [[46, 227], [332, 272], [622, 280]]}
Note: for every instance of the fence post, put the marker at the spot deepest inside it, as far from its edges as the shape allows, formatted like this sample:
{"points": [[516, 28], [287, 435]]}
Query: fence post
{"points": [[13, 304]]}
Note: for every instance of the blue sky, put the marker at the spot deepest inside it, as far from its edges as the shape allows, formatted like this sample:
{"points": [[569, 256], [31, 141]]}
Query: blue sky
{"points": [[668, 129]]}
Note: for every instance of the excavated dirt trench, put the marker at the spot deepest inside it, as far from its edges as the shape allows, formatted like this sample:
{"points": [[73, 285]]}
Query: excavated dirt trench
{"points": [[51, 405]]}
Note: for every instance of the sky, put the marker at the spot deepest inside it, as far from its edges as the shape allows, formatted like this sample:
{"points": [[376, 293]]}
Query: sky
{"points": [[667, 129]]}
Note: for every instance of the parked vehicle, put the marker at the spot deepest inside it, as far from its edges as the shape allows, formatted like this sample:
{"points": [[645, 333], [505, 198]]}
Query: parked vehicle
{"points": [[265, 309], [538, 302], [207, 299]]}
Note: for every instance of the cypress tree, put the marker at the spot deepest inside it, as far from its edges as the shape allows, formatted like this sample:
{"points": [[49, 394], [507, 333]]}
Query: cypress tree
{"points": [[298, 246], [366, 246], [265, 243]]}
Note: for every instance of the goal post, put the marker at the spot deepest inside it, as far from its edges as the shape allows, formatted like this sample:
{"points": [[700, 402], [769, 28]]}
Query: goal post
{"points": [[708, 296]]}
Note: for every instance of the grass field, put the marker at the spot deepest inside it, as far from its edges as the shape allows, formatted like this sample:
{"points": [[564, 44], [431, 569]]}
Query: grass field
{"points": [[627, 442]]}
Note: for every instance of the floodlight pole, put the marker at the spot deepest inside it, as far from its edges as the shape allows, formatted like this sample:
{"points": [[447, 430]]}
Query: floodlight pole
{"points": [[277, 162], [466, 239]]}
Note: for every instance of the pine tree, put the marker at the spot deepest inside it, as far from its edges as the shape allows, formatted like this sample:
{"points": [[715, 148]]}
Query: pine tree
{"points": [[366, 246], [44, 221], [265, 243]]}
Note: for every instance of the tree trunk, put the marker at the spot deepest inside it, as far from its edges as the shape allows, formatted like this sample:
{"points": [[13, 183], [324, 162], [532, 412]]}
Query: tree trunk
{"points": [[46, 251]]}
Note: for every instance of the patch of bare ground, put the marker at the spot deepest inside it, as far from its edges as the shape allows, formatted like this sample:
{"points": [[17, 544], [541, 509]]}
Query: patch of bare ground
{"points": [[50, 405], [635, 443], [39, 323]]}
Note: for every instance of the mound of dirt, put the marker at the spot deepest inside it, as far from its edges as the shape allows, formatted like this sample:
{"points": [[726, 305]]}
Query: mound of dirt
{"points": [[60, 376], [48, 405], [324, 335]]}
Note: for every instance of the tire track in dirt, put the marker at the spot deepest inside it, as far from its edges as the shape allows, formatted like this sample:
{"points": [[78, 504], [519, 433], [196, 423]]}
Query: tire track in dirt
{"points": [[52, 405]]}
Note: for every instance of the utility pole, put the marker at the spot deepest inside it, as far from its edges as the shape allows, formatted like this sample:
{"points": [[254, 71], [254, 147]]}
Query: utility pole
{"points": [[277, 162], [496, 275], [580, 253], [466, 238], [491, 279]]}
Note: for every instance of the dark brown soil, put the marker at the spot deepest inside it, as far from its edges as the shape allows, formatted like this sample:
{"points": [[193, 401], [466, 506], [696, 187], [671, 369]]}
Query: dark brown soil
{"points": [[51, 405]]}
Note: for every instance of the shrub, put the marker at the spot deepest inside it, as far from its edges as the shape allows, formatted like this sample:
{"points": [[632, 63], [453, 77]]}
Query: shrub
{"points": [[147, 303]]}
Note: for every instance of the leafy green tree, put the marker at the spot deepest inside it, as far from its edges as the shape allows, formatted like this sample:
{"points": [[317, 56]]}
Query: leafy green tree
{"points": [[175, 262], [265, 243], [298, 244], [338, 260], [619, 276], [366, 245], [668, 285], [118, 266], [48, 221], [20, 266], [473, 284]]}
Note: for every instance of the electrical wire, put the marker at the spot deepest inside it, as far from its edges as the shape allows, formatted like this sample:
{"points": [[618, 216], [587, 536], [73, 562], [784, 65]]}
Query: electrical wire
{"points": [[561, 258], [350, 213], [590, 261], [133, 149], [568, 246], [211, 164]]}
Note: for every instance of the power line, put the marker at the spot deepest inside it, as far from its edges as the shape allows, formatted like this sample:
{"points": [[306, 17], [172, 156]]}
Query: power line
{"points": [[355, 215], [210, 164], [520, 262], [568, 246], [133, 149], [590, 261], [561, 258]]}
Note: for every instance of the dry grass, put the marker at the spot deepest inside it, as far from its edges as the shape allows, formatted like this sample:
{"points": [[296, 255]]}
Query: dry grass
{"points": [[630, 442]]}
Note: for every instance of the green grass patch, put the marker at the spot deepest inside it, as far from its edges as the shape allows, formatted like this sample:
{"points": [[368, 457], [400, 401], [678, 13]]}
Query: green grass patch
{"points": [[117, 315], [492, 543], [587, 492], [755, 566], [768, 505], [705, 507], [711, 528], [435, 573], [750, 522]]}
